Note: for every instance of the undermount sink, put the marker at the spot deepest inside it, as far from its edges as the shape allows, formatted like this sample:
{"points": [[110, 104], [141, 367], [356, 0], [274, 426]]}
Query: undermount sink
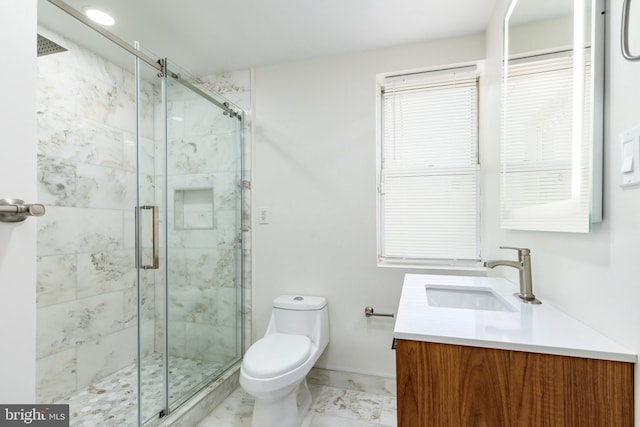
{"points": [[470, 298]]}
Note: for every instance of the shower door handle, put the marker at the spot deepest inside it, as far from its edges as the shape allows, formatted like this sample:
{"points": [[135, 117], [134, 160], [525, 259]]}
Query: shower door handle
{"points": [[154, 224]]}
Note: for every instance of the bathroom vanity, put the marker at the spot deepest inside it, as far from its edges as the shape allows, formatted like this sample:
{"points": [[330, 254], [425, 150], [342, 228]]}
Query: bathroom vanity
{"points": [[469, 353]]}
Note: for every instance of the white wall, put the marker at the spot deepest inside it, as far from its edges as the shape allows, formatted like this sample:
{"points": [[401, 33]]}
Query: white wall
{"points": [[18, 180], [315, 156], [594, 277]]}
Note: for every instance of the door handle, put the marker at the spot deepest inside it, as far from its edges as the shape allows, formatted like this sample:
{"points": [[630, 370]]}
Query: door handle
{"points": [[155, 264], [15, 210]]}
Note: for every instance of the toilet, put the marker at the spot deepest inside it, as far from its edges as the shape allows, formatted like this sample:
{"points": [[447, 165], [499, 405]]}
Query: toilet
{"points": [[274, 368]]}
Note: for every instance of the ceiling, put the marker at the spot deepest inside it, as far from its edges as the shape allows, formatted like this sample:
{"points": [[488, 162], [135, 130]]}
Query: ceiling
{"points": [[209, 36]]}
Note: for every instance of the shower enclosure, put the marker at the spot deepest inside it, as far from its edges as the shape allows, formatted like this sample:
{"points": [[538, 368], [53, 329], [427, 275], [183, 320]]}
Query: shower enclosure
{"points": [[140, 260]]}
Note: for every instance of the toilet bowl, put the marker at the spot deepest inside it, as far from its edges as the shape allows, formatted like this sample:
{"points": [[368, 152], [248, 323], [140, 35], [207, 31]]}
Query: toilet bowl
{"points": [[274, 368]]}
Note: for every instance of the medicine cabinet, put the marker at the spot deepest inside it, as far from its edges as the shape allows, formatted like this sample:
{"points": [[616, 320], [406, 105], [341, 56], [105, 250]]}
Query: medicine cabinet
{"points": [[552, 115]]}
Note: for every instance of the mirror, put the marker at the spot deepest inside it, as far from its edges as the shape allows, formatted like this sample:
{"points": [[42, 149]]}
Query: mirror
{"points": [[552, 117]]}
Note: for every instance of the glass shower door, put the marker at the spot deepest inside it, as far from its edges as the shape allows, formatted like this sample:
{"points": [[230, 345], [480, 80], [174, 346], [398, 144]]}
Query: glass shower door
{"points": [[189, 240], [203, 229]]}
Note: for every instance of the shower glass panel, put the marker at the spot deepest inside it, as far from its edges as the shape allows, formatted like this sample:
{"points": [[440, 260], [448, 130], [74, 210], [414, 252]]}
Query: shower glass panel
{"points": [[204, 269], [150, 214]]}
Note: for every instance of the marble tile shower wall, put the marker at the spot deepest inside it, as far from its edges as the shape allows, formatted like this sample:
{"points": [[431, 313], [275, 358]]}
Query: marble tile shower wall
{"points": [[86, 287], [87, 296]]}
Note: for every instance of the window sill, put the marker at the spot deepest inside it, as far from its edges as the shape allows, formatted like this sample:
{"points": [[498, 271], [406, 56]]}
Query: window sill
{"points": [[471, 269]]}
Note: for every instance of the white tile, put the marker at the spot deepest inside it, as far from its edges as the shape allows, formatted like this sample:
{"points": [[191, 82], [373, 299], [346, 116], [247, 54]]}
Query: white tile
{"points": [[150, 100], [353, 381], [56, 94], [147, 338], [210, 342], [71, 230], [175, 119], [202, 118], [68, 137], [323, 420], [192, 304], [192, 155], [55, 376], [331, 407], [227, 269], [228, 307], [56, 279], [347, 403], [62, 326], [105, 188], [235, 411], [106, 102], [177, 332], [100, 358], [229, 151], [216, 392], [147, 161], [57, 183], [389, 414], [148, 303], [106, 271], [226, 83]]}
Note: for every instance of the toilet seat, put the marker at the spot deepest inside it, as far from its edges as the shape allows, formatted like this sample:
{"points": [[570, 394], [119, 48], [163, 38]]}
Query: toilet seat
{"points": [[276, 354]]}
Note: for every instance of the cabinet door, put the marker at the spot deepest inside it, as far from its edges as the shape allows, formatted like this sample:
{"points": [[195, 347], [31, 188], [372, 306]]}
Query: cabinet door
{"points": [[447, 385], [549, 390]]}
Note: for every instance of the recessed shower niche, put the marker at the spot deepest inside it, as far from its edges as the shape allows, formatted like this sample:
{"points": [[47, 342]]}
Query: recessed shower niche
{"points": [[194, 209]]}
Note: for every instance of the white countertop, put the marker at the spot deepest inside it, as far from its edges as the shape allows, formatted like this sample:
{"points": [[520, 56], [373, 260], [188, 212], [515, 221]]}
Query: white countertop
{"points": [[532, 328]]}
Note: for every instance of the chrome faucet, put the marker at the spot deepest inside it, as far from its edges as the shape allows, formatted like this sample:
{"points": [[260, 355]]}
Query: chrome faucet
{"points": [[524, 268]]}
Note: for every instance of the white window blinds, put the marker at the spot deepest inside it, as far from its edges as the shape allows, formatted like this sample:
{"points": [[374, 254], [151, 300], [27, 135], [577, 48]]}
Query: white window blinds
{"points": [[428, 177], [545, 162]]}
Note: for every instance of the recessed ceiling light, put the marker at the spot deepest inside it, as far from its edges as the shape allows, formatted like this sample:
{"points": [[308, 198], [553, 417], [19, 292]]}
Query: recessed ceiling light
{"points": [[100, 17]]}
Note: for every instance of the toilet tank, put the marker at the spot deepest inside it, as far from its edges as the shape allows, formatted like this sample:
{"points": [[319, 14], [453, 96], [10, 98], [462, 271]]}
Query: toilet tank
{"points": [[301, 315]]}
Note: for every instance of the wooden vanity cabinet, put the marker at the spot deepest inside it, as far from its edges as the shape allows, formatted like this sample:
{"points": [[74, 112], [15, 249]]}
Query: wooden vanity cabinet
{"points": [[461, 386]]}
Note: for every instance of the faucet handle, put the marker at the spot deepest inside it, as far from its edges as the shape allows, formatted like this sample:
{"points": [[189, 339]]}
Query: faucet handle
{"points": [[521, 251]]}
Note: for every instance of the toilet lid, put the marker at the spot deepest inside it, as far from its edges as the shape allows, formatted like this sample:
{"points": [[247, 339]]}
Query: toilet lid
{"points": [[276, 354]]}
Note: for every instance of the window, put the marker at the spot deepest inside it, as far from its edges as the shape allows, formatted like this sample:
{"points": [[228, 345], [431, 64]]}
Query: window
{"points": [[428, 170]]}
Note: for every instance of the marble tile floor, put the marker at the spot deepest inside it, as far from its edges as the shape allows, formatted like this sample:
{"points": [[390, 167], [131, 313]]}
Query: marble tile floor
{"points": [[331, 407], [112, 400]]}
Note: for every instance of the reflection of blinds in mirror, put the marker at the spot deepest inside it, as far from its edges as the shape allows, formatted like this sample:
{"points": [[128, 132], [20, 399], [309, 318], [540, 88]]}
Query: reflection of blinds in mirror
{"points": [[429, 175], [538, 187]]}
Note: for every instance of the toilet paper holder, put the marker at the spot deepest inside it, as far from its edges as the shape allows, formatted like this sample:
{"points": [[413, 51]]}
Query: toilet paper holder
{"points": [[368, 312]]}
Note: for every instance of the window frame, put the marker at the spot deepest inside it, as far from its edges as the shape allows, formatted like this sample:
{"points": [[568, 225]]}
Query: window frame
{"points": [[476, 69]]}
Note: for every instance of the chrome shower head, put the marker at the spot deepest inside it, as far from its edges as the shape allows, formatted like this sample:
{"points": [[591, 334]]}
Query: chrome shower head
{"points": [[47, 47]]}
